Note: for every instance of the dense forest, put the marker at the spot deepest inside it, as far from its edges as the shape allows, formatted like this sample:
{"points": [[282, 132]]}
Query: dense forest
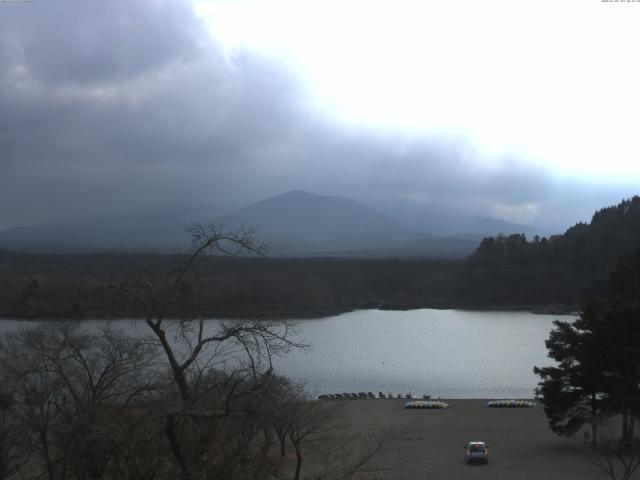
{"points": [[564, 269], [504, 272], [75, 286]]}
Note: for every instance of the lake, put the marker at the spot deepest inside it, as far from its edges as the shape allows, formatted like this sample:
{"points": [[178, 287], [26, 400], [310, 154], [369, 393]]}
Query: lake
{"points": [[442, 353]]}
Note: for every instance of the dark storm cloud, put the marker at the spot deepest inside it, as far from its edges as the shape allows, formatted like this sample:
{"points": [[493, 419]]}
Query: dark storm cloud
{"points": [[120, 106], [143, 136], [94, 41]]}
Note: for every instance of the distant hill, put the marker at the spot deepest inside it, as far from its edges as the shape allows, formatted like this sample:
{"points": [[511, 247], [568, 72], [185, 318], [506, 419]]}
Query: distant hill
{"points": [[304, 223], [149, 232], [295, 224], [565, 269], [446, 224]]}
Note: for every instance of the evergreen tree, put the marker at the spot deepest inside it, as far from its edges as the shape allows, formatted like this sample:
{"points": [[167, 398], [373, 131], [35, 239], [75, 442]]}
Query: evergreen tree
{"points": [[618, 331], [598, 371], [573, 392]]}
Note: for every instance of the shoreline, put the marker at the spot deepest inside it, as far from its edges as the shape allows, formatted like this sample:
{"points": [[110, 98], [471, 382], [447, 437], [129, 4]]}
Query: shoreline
{"points": [[430, 399], [561, 310]]}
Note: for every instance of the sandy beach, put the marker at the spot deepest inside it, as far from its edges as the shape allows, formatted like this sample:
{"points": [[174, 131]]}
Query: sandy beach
{"points": [[521, 444]]}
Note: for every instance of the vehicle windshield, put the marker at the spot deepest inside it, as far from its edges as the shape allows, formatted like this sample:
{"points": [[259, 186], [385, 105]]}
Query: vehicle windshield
{"points": [[477, 448]]}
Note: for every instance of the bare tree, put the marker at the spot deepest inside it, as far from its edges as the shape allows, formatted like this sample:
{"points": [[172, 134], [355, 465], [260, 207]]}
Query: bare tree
{"points": [[618, 458], [212, 366], [279, 401], [71, 391], [335, 453], [309, 420], [619, 461], [10, 437], [344, 456], [38, 394]]}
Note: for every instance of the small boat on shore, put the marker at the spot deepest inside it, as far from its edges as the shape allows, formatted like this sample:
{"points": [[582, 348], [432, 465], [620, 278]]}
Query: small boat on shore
{"points": [[430, 404], [510, 404]]}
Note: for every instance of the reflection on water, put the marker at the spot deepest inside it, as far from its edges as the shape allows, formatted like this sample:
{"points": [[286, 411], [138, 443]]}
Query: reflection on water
{"points": [[442, 353]]}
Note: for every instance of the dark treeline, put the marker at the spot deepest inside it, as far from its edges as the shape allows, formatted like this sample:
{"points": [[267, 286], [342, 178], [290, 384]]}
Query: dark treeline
{"points": [[73, 286], [504, 272], [567, 269]]}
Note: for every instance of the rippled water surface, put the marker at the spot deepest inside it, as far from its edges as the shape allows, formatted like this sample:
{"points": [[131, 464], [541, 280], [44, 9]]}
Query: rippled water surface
{"points": [[442, 353]]}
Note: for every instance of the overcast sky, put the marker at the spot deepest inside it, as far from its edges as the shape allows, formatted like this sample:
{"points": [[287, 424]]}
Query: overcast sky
{"points": [[525, 111]]}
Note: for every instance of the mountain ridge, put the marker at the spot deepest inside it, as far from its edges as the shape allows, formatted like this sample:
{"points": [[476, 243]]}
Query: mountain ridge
{"points": [[295, 223]]}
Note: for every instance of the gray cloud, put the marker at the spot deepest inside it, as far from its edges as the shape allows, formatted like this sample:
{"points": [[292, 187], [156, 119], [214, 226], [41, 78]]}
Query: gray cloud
{"points": [[97, 42], [120, 106]]}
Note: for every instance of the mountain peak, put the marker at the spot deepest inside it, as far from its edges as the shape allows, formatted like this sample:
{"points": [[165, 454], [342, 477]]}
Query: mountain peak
{"points": [[297, 193], [304, 221], [294, 195]]}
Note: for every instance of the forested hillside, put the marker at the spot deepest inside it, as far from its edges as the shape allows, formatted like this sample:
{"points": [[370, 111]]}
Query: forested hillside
{"points": [[564, 269]]}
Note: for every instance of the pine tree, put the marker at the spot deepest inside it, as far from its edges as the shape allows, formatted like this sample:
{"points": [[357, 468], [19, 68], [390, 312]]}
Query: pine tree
{"points": [[598, 360], [573, 392]]}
